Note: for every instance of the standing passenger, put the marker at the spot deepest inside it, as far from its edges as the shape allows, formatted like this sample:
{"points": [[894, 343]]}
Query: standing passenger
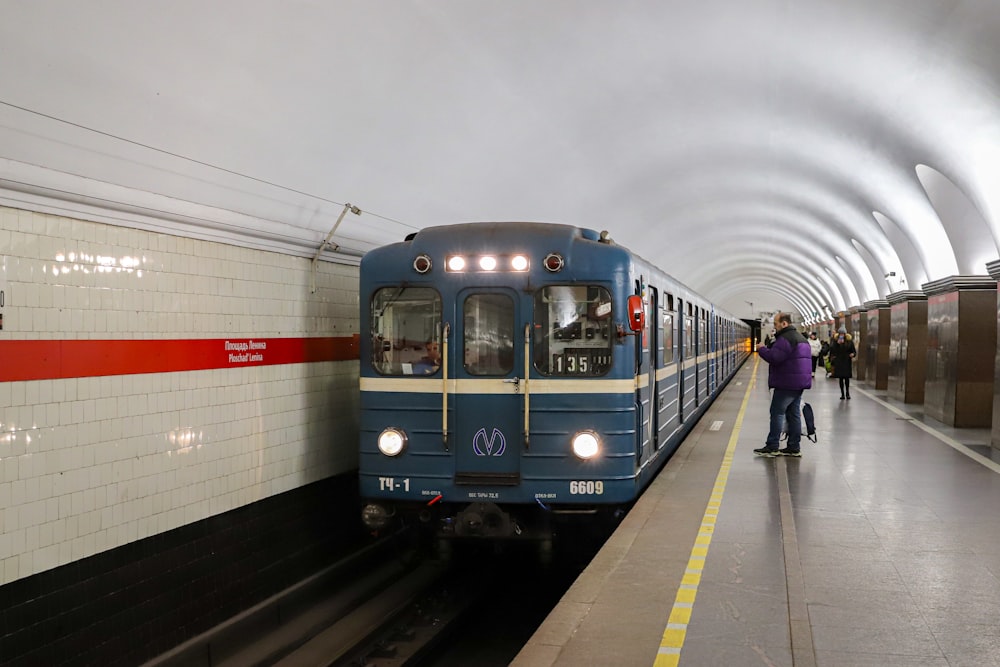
{"points": [[788, 374], [824, 351], [842, 353], [814, 347]]}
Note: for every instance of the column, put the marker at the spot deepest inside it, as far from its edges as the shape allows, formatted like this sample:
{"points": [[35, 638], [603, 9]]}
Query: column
{"points": [[907, 345], [961, 350], [877, 344], [859, 330]]}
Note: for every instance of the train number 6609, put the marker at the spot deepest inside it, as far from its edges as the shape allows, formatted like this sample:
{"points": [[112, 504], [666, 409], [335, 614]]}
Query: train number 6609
{"points": [[590, 487]]}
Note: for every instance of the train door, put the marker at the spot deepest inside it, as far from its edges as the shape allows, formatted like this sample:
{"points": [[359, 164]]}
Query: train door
{"points": [[690, 366], [717, 360], [699, 349], [489, 365], [682, 344], [669, 418], [655, 354]]}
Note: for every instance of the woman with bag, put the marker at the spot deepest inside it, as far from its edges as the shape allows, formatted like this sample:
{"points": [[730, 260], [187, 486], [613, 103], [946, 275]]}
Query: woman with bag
{"points": [[842, 353]]}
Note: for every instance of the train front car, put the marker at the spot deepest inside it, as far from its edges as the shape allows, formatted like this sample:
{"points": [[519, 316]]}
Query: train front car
{"points": [[497, 379]]}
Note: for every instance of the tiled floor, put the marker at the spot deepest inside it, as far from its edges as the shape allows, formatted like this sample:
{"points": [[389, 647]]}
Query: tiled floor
{"points": [[880, 546]]}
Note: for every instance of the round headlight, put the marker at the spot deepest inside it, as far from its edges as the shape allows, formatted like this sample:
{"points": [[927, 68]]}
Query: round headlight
{"points": [[586, 444], [487, 263], [456, 263], [519, 263], [375, 517], [392, 442]]}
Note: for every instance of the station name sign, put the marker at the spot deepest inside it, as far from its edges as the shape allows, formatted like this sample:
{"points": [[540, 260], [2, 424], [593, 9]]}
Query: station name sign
{"points": [[246, 351]]}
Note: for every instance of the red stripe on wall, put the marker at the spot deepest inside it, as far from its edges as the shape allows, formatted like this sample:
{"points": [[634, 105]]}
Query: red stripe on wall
{"points": [[56, 359]]}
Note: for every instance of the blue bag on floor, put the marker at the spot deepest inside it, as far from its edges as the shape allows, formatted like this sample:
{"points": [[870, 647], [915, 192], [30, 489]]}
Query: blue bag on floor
{"points": [[808, 421]]}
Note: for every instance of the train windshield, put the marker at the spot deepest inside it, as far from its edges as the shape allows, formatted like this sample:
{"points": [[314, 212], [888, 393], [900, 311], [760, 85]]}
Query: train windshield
{"points": [[573, 330], [406, 331], [489, 334]]}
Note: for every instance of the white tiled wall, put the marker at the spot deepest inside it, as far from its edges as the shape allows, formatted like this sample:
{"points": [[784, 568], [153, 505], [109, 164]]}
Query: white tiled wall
{"points": [[90, 464]]}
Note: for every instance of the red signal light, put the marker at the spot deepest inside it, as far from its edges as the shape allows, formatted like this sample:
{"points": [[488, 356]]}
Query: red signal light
{"points": [[554, 262]]}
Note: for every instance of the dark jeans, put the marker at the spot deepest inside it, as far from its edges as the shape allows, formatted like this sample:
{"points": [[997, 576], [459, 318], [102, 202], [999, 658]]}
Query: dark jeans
{"points": [[786, 405], [845, 385]]}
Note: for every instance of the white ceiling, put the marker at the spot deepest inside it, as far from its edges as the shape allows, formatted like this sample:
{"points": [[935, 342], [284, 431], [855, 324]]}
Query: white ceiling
{"points": [[785, 154]]}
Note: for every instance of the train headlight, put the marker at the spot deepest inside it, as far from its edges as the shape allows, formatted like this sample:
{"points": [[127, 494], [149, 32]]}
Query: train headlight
{"points": [[519, 263], [456, 263], [586, 444], [375, 517], [488, 263], [392, 442]]}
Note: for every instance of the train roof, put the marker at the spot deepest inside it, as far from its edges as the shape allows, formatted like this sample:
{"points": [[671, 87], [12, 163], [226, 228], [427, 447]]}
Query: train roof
{"points": [[487, 233]]}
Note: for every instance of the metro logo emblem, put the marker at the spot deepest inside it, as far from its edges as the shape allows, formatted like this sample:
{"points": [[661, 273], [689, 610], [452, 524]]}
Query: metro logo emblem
{"points": [[494, 445]]}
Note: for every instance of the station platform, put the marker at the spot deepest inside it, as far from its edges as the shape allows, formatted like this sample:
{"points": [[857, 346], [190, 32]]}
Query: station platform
{"points": [[879, 546]]}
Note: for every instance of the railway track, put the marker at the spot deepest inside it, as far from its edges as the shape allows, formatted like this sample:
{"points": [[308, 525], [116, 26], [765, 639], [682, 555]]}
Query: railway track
{"points": [[377, 607]]}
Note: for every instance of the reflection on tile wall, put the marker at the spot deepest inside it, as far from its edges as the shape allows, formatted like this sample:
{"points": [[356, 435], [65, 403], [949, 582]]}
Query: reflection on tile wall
{"points": [[88, 461]]}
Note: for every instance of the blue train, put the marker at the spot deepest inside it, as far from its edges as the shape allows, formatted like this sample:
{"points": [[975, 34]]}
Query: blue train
{"points": [[515, 375]]}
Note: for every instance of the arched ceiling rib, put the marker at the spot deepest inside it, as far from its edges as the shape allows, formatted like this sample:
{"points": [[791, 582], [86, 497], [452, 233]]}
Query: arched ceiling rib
{"points": [[969, 234], [912, 265], [720, 139]]}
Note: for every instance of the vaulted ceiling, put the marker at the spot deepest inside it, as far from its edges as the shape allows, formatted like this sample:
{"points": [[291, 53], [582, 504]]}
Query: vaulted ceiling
{"points": [[806, 155]]}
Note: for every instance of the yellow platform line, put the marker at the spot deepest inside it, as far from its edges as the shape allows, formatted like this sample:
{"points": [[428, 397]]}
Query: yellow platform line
{"points": [[669, 654]]}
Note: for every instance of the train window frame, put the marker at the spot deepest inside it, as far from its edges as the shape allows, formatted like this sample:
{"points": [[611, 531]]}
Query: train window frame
{"points": [[689, 341], [575, 361], [668, 331], [703, 332], [408, 355]]}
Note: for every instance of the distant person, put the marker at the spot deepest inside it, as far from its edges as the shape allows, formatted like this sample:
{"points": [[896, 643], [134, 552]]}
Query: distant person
{"points": [[842, 353], [824, 352], [788, 358], [814, 347], [431, 361]]}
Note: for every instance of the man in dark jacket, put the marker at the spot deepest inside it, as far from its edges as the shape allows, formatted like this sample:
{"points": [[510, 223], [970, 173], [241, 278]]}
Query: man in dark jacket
{"points": [[789, 373]]}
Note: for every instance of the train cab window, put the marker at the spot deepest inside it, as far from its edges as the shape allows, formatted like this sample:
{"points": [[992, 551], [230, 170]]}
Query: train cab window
{"points": [[488, 334], [573, 331], [406, 331]]}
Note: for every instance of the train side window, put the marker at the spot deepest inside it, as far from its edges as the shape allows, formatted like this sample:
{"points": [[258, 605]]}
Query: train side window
{"points": [[689, 343], [573, 331], [488, 334], [406, 331], [703, 332], [668, 336]]}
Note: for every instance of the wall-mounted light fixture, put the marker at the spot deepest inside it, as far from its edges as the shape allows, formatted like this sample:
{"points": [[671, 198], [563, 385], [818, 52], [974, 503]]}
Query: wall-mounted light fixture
{"points": [[327, 244]]}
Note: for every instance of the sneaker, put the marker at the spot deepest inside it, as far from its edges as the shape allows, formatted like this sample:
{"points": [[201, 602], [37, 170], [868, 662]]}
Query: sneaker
{"points": [[766, 451], [788, 452]]}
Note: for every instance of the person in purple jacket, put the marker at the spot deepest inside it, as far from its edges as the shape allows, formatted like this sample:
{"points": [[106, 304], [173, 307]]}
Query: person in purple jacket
{"points": [[790, 372]]}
